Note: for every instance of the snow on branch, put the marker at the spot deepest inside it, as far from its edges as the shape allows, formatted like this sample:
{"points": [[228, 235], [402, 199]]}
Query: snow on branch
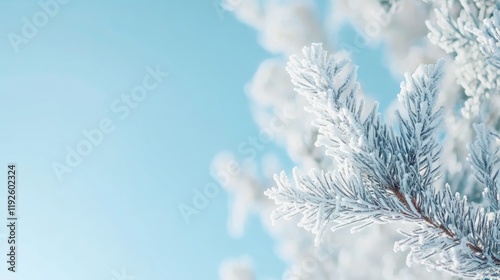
{"points": [[383, 176]]}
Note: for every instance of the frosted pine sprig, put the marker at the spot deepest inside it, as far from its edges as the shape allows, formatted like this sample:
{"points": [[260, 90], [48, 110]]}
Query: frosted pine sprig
{"points": [[485, 162], [384, 176]]}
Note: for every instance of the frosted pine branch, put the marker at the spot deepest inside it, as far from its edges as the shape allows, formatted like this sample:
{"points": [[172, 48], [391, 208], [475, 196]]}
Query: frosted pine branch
{"points": [[383, 177], [453, 31], [335, 199], [489, 37], [330, 86], [419, 147], [485, 162], [464, 238]]}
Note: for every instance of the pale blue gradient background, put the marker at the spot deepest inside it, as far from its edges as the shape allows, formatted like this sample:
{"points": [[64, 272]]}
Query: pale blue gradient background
{"points": [[119, 208]]}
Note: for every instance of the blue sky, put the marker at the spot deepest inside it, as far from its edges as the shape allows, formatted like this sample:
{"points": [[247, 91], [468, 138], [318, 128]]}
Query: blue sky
{"points": [[117, 209]]}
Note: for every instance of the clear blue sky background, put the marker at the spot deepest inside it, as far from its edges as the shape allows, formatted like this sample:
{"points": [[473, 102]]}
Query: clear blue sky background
{"points": [[118, 209]]}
